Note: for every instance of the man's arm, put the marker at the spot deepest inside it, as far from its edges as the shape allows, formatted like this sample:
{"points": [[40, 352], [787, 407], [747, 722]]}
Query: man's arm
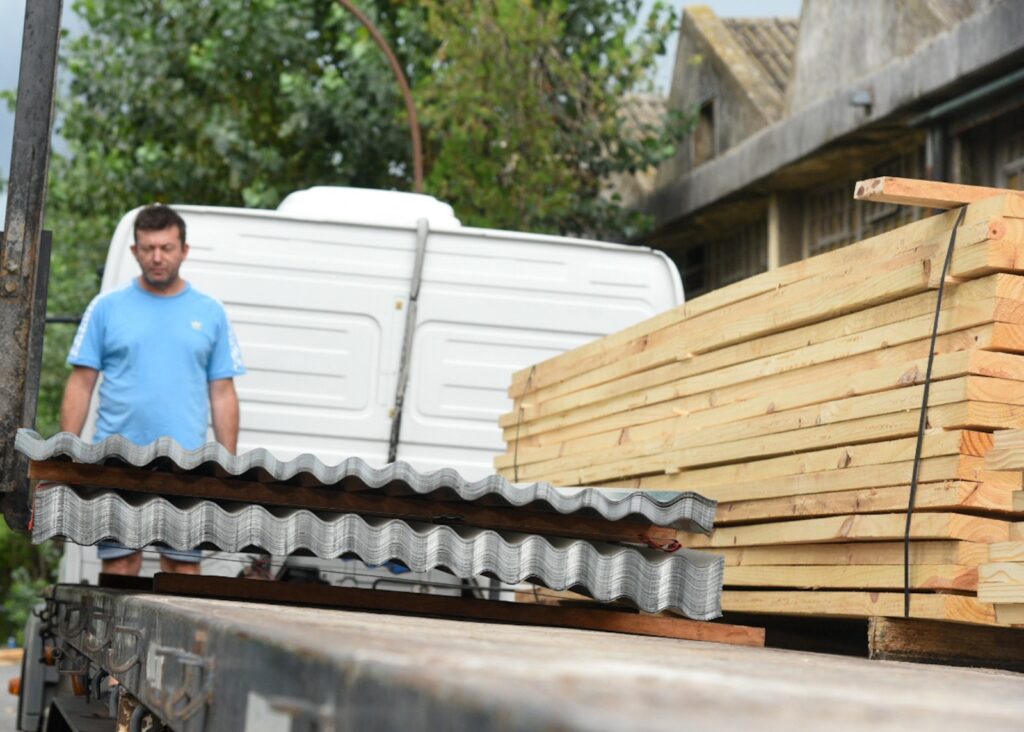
{"points": [[77, 393], [224, 410]]}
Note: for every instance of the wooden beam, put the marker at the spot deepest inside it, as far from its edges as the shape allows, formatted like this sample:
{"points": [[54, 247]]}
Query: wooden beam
{"points": [[956, 644], [855, 527], [1007, 551], [1001, 582], [1010, 613], [335, 499], [946, 456], [647, 459], [635, 338], [772, 389], [1007, 451], [854, 577], [949, 495], [962, 553], [926, 193], [607, 620], [719, 425], [996, 298], [930, 606]]}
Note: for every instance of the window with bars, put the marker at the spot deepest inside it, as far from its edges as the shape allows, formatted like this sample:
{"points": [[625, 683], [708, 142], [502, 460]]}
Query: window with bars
{"points": [[1010, 153], [832, 218], [708, 265]]}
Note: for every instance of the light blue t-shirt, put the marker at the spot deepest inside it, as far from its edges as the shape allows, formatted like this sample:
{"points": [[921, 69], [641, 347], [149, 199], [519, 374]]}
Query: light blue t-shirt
{"points": [[158, 355]]}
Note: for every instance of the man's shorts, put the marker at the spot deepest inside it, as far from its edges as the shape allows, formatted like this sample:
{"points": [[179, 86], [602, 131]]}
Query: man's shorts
{"points": [[116, 550]]}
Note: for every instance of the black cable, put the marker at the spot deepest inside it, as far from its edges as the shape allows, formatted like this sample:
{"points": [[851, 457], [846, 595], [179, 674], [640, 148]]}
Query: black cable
{"points": [[922, 425]]}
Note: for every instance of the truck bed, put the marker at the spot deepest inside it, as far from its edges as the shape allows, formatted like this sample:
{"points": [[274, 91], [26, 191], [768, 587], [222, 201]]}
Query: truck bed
{"points": [[254, 667]]}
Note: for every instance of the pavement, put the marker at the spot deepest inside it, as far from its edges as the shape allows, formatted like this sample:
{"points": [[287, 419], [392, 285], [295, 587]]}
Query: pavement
{"points": [[8, 704]]}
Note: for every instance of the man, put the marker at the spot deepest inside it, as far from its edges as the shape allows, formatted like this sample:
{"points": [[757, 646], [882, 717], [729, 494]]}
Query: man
{"points": [[168, 357]]}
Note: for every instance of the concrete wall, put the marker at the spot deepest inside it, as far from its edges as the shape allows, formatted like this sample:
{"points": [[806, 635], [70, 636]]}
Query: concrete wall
{"points": [[701, 75], [842, 41]]}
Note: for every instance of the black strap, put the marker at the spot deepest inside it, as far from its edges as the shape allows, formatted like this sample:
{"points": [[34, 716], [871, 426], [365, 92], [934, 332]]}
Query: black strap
{"points": [[924, 416]]}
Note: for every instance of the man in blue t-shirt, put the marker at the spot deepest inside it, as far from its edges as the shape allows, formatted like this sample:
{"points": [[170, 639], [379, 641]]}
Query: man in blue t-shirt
{"points": [[168, 357]]}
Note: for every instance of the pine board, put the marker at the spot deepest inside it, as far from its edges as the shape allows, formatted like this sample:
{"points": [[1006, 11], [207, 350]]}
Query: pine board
{"points": [[1001, 582], [635, 338], [975, 302], [962, 553], [854, 527], [854, 577], [949, 496], [926, 193], [930, 606]]}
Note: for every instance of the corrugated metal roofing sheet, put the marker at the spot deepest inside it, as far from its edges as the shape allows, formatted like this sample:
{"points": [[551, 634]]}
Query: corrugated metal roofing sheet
{"points": [[685, 581], [687, 511]]}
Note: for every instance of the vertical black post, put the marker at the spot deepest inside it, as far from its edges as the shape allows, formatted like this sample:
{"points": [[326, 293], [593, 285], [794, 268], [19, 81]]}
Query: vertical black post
{"points": [[21, 315]]}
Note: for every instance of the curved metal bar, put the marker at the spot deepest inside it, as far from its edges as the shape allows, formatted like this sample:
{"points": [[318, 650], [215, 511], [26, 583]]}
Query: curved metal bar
{"points": [[403, 83], [120, 667]]}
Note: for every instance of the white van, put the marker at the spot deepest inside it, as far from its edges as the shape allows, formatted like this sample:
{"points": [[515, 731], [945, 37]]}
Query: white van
{"points": [[319, 294]]}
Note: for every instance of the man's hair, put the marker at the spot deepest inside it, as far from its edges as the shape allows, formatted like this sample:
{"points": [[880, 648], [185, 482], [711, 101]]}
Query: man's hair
{"points": [[157, 217]]}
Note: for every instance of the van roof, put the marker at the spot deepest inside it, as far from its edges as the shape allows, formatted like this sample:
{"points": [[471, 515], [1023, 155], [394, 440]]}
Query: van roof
{"points": [[389, 209]]}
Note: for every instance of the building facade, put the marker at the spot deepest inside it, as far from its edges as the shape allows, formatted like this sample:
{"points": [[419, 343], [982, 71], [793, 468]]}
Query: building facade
{"points": [[790, 113]]}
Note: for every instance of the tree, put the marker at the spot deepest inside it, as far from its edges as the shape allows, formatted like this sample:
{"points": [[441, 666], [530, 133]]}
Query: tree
{"points": [[525, 111], [239, 102]]}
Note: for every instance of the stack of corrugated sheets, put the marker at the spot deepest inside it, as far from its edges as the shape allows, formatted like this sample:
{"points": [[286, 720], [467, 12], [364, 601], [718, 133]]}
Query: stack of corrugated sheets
{"points": [[794, 398], [162, 494]]}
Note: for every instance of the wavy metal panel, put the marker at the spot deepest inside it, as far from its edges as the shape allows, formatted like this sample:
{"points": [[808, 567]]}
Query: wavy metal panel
{"points": [[687, 510], [686, 581]]}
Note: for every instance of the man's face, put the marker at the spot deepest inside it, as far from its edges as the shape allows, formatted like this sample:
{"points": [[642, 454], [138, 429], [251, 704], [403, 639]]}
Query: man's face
{"points": [[160, 254]]}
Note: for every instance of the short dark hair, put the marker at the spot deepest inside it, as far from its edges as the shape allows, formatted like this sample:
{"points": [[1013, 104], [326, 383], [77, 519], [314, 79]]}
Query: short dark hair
{"points": [[157, 217]]}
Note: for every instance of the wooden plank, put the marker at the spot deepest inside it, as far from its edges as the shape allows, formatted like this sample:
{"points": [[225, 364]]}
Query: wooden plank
{"points": [[720, 425], [632, 340], [1007, 551], [946, 456], [1010, 613], [855, 527], [949, 495], [968, 304], [854, 577], [608, 620], [926, 193], [807, 302], [930, 606], [770, 390], [647, 459], [960, 553], [957, 644], [982, 252], [1001, 582], [1007, 451], [369, 503]]}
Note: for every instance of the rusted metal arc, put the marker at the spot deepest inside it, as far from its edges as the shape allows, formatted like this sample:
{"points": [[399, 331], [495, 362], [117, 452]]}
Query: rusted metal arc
{"points": [[403, 83]]}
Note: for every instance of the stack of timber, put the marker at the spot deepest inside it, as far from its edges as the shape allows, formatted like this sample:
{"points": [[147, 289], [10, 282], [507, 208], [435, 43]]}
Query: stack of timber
{"points": [[1001, 580], [794, 399]]}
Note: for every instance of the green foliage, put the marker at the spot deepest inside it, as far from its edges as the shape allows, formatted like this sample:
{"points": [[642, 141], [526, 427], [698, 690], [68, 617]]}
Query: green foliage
{"points": [[238, 102], [524, 105], [529, 115], [232, 103], [24, 571]]}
